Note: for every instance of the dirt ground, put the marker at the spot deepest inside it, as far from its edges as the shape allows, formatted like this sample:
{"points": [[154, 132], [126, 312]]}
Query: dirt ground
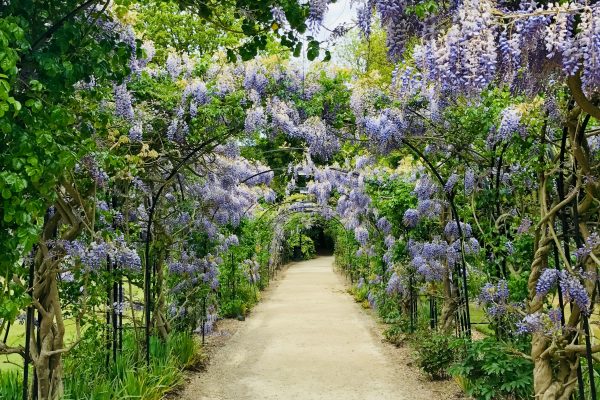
{"points": [[309, 340]]}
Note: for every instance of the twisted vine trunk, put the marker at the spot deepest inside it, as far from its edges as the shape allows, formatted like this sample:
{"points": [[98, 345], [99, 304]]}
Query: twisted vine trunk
{"points": [[556, 360], [48, 344], [450, 306], [47, 341], [160, 320]]}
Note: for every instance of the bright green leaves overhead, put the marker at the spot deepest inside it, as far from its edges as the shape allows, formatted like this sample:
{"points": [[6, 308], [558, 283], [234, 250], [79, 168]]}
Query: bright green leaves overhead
{"points": [[12, 42], [424, 8], [170, 28], [255, 23], [250, 49], [44, 122], [313, 50]]}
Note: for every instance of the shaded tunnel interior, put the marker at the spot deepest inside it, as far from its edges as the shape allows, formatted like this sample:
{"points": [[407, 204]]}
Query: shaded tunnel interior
{"points": [[323, 243]]}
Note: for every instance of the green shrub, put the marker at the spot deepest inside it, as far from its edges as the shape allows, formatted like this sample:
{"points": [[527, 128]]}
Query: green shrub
{"points": [[233, 308], [128, 377], [586, 377], [388, 307], [397, 334], [490, 369], [436, 353], [186, 350], [11, 385], [360, 294]]}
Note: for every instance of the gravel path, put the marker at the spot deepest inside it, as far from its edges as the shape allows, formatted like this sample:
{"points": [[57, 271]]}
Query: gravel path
{"points": [[309, 340]]}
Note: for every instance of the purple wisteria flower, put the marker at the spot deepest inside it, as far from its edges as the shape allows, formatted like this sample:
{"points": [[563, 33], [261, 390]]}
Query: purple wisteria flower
{"points": [[364, 18], [524, 226], [316, 13], [270, 196], [128, 259], [123, 105], [495, 298], [452, 232], [384, 225], [371, 299], [546, 282], [588, 247], [411, 218], [255, 119], [510, 248], [255, 79], [509, 124], [394, 285], [174, 65], [252, 271], [362, 235], [361, 283], [470, 181], [67, 276], [363, 161], [451, 182], [570, 286], [549, 324], [574, 291], [95, 256], [98, 175], [389, 241], [386, 130], [136, 132]]}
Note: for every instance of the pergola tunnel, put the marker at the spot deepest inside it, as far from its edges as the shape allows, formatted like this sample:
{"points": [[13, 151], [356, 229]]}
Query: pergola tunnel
{"points": [[183, 180], [315, 240]]}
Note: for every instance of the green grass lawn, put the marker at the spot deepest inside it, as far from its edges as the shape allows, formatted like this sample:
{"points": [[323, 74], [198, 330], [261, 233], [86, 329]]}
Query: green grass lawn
{"points": [[16, 335], [479, 320]]}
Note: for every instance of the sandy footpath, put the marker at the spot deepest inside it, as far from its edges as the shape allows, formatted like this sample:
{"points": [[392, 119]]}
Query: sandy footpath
{"points": [[309, 340]]}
